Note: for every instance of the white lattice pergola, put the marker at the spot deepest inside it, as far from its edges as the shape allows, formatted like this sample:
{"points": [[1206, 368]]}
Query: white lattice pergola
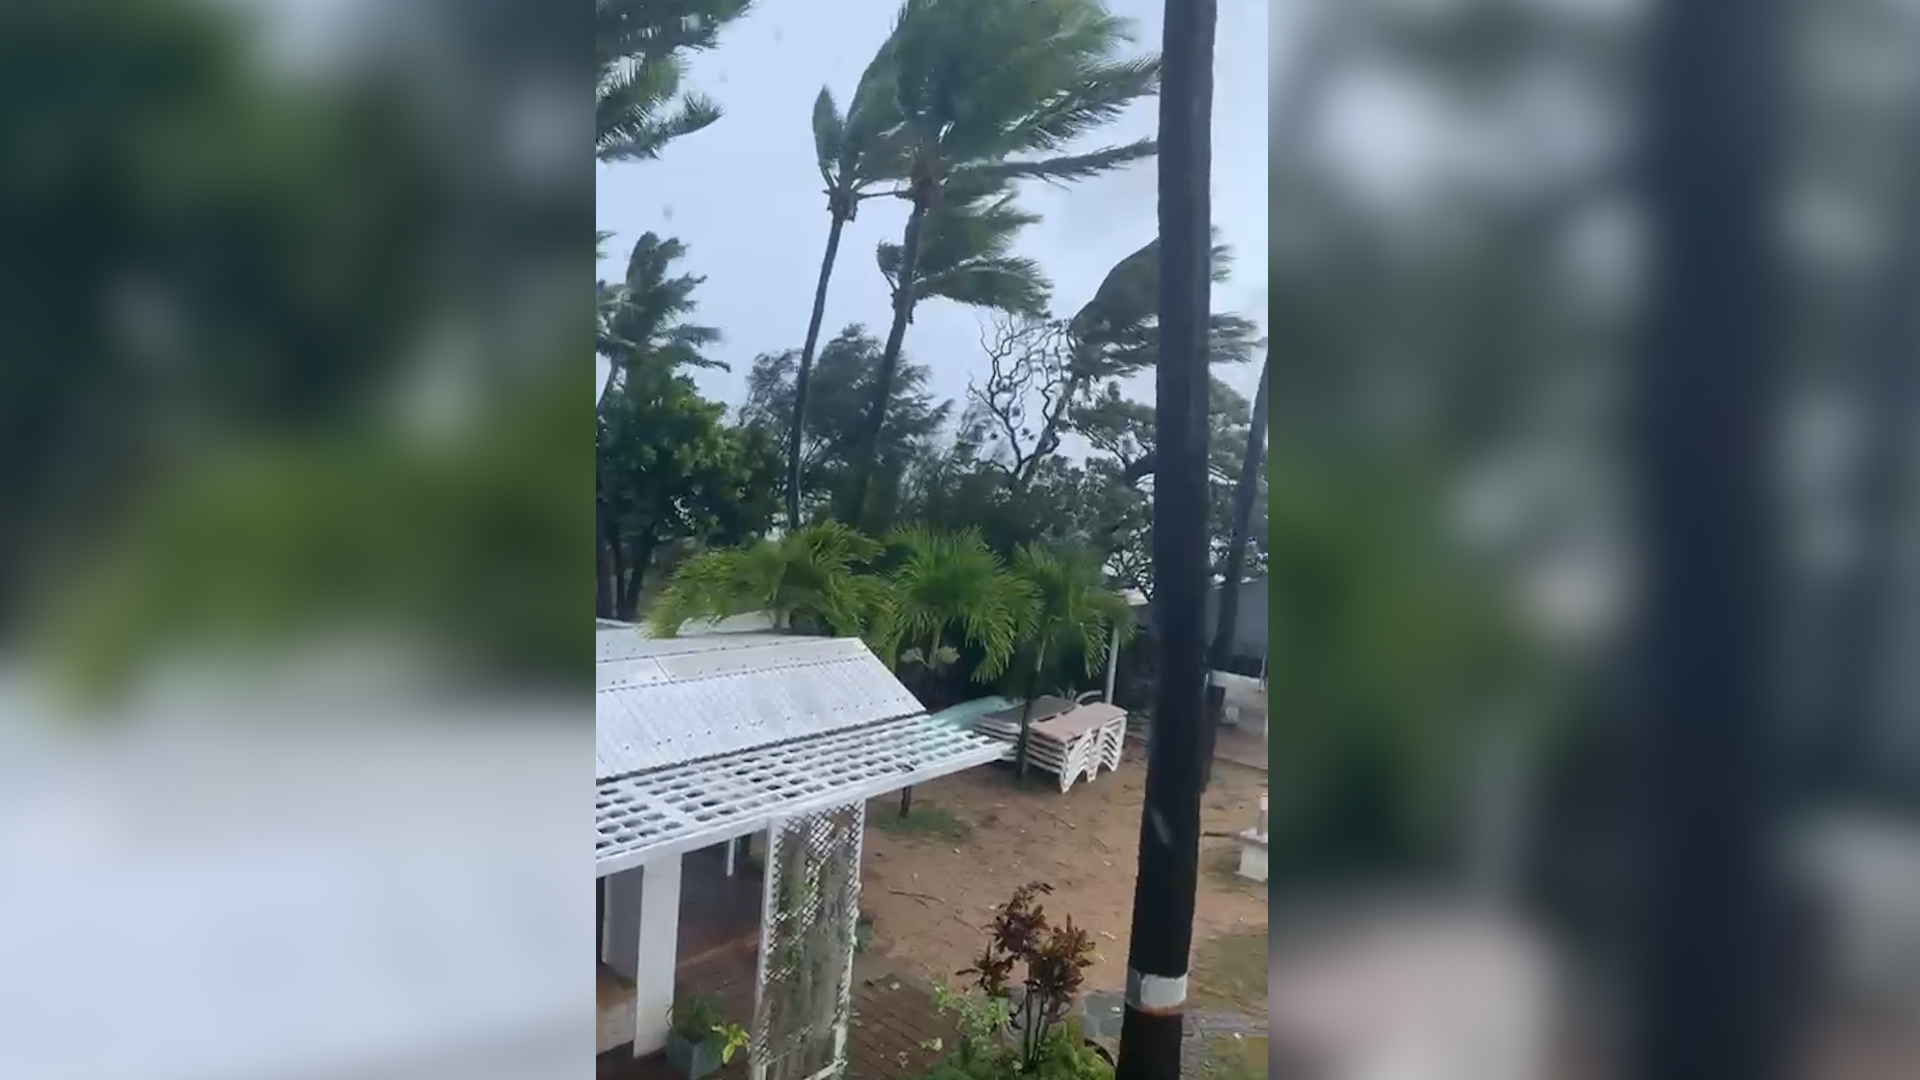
{"points": [[681, 808], [705, 740]]}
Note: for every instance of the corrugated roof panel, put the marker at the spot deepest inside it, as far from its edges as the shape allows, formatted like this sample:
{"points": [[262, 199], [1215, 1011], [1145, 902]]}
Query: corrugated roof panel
{"points": [[667, 702]]}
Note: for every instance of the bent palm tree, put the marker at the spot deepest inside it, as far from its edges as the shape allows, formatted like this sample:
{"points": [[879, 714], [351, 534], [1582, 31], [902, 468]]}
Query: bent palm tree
{"points": [[638, 106], [1073, 611], [853, 156], [966, 257], [991, 91], [812, 576], [640, 319]]}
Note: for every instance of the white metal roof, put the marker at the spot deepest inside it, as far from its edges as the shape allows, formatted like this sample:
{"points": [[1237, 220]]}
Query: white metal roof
{"points": [[683, 807], [666, 702]]}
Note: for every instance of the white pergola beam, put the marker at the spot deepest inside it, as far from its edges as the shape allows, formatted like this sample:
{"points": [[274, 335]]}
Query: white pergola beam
{"points": [[681, 808]]}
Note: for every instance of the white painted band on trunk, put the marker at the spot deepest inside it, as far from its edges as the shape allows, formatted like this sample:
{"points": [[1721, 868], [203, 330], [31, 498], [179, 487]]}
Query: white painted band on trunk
{"points": [[1155, 991]]}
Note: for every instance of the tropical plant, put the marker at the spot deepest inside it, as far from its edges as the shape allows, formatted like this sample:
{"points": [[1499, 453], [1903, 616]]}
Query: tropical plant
{"points": [[991, 91], [966, 256], [810, 578], [853, 156], [638, 45], [695, 1017], [1053, 960], [951, 589], [641, 319], [1073, 613], [701, 1020]]}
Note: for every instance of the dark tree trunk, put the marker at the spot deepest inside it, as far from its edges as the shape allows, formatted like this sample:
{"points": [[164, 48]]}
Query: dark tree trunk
{"points": [[636, 573], [604, 580], [1161, 934], [1701, 403], [867, 452], [618, 554], [801, 377], [1244, 492]]}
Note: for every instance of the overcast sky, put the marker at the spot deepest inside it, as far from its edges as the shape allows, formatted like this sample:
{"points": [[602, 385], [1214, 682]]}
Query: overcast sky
{"points": [[745, 195]]}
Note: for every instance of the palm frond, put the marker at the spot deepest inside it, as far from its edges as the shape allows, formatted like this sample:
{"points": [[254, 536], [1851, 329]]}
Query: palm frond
{"points": [[829, 134], [1098, 96], [1117, 331], [638, 48], [1014, 285], [1061, 169], [643, 318], [954, 583], [1073, 610], [813, 574], [965, 255]]}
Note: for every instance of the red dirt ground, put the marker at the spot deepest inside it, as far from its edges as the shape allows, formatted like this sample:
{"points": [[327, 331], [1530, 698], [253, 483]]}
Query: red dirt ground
{"points": [[931, 894]]}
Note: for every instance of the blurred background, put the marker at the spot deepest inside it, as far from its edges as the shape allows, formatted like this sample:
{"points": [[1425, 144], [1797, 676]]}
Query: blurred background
{"points": [[293, 481], [1593, 346]]}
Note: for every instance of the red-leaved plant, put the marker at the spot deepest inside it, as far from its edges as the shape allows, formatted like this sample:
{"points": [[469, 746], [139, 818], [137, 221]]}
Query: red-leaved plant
{"points": [[1055, 957]]}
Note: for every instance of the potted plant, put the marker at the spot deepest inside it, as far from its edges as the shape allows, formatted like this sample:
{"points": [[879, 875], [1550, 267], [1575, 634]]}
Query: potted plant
{"points": [[700, 1039]]}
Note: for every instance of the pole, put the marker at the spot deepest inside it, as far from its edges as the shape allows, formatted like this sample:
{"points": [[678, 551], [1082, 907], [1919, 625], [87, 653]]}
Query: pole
{"points": [[1113, 660], [1701, 401], [1162, 929]]}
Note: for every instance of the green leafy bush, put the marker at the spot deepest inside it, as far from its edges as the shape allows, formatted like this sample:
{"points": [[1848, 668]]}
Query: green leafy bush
{"points": [[1034, 1036]]}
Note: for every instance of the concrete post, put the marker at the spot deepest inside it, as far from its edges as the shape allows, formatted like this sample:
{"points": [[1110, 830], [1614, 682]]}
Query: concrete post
{"points": [[620, 925], [657, 945]]}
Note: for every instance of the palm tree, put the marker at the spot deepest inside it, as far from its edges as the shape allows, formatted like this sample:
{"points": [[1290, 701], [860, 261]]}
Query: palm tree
{"points": [[966, 257], [638, 106], [950, 585], [1073, 611], [951, 589], [1245, 490], [991, 91], [807, 578], [853, 156], [640, 319]]}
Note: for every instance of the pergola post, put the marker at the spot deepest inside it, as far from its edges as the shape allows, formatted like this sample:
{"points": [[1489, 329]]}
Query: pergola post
{"points": [[656, 946], [1113, 662]]}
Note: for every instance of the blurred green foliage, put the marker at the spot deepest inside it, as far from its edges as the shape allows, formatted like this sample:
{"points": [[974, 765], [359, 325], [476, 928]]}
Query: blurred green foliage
{"points": [[1392, 655], [250, 393]]}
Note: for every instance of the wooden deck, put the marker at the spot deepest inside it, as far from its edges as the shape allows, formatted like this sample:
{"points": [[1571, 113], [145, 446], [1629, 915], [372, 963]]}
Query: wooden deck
{"points": [[892, 1018]]}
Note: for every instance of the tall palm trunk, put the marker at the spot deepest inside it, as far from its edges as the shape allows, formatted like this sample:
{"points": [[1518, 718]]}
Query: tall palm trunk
{"points": [[869, 448], [1161, 936], [1709, 984], [806, 369], [1244, 491]]}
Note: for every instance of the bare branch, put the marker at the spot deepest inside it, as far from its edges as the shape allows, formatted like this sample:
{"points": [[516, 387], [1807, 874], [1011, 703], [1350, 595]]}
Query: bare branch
{"points": [[1024, 399]]}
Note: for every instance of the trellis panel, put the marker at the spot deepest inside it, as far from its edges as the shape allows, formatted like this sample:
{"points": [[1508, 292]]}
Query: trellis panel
{"points": [[812, 902]]}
